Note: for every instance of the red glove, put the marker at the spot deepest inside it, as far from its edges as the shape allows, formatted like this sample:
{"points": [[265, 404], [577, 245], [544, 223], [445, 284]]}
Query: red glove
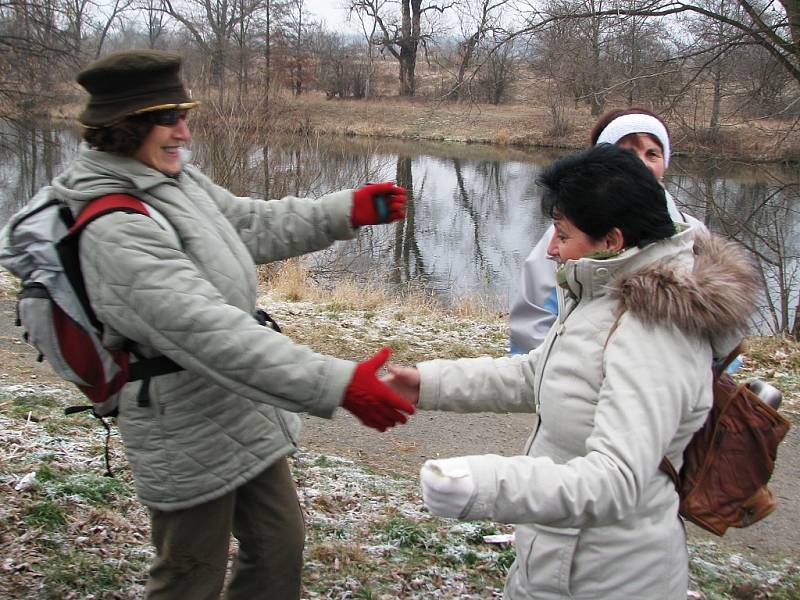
{"points": [[374, 403], [377, 203]]}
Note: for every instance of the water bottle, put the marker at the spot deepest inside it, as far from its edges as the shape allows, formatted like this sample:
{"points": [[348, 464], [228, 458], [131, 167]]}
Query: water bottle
{"points": [[767, 393]]}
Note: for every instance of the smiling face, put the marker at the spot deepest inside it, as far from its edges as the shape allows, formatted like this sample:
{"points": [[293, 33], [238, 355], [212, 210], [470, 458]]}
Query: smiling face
{"points": [[161, 148], [649, 151], [570, 243]]}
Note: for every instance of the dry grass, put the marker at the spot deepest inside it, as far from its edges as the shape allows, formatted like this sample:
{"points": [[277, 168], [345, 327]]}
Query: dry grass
{"points": [[523, 122], [291, 280]]}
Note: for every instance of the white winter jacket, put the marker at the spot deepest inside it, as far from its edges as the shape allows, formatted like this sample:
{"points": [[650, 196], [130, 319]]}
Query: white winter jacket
{"points": [[534, 309], [596, 519]]}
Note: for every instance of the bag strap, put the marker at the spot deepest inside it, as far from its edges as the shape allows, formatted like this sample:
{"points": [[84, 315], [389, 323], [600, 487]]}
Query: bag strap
{"points": [[105, 204], [720, 366], [718, 369], [666, 465], [68, 245]]}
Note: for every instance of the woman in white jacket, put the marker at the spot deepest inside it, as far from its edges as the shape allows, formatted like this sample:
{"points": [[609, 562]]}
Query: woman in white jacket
{"points": [[534, 308], [622, 379]]}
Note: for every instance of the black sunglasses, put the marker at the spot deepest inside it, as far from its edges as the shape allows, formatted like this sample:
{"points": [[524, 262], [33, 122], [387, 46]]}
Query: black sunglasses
{"points": [[167, 115]]}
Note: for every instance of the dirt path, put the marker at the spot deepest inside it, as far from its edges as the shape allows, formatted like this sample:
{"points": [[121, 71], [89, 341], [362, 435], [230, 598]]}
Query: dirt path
{"points": [[434, 434], [402, 450]]}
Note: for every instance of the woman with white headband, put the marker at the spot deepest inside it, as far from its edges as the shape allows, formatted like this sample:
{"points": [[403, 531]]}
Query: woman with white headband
{"points": [[534, 310]]}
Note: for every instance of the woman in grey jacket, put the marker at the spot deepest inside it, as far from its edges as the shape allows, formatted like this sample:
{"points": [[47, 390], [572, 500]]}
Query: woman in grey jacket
{"points": [[622, 379], [208, 444]]}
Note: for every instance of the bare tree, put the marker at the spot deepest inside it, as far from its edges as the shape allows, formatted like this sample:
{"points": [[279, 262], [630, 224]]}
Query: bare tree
{"points": [[575, 52], [368, 29], [340, 66], [401, 37], [496, 73], [154, 21], [109, 15], [36, 54], [298, 27], [244, 36], [212, 25], [772, 24], [477, 19], [764, 84]]}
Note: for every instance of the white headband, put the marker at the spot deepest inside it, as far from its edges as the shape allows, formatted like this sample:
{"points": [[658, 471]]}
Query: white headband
{"points": [[636, 123]]}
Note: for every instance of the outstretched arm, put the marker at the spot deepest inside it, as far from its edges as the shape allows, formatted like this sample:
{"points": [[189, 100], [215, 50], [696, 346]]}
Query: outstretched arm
{"points": [[375, 404]]}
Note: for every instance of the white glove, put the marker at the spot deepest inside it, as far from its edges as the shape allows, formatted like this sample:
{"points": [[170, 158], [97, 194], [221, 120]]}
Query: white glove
{"points": [[447, 486]]}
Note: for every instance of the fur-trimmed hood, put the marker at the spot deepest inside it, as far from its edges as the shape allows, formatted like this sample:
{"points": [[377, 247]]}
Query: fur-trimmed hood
{"points": [[700, 282], [717, 295]]}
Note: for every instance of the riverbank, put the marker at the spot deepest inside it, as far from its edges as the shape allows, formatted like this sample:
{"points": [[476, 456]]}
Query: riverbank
{"points": [[69, 533], [519, 125], [528, 124]]}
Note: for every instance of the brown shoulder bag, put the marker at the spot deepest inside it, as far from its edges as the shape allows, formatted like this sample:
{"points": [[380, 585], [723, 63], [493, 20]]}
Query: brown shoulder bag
{"points": [[728, 462]]}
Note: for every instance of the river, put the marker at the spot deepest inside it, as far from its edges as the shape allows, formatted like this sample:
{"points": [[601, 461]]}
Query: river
{"points": [[473, 212]]}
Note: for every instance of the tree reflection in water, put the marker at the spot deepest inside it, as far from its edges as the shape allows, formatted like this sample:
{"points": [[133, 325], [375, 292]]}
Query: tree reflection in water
{"points": [[473, 211]]}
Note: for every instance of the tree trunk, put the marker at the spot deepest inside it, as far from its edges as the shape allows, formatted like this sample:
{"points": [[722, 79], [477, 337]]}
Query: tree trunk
{"points": [[467, 50], [409, 42], [218, 71], [408, 64], [717, 101]]}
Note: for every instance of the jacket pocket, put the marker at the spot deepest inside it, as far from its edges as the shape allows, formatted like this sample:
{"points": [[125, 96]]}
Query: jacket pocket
{"points": [[290, 425], [548, 560]]}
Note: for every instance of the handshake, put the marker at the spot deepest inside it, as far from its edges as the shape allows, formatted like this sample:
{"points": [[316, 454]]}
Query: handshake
{"points": [[447, 485], [377, 404]]}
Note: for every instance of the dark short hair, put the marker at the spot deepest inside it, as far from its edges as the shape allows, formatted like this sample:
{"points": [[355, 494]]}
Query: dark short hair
{"points": [[605, 187], [123, 138], [610, 115]]}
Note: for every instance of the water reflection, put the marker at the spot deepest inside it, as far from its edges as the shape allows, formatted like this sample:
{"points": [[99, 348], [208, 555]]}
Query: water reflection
{"points": [[30, 155], [473, 211]]}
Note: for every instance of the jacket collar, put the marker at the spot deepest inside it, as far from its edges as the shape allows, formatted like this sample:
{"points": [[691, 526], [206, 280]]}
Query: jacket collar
{"points": [[142, 176], [588, 278], [94, 173]]}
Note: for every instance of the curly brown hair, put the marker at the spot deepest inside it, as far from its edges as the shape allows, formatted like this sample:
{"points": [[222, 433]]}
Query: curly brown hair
{"points": [[123, 138]]}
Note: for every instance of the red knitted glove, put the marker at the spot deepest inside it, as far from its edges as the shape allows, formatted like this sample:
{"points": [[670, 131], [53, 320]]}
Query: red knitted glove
{"points": [[377, 203], [372, 402]]}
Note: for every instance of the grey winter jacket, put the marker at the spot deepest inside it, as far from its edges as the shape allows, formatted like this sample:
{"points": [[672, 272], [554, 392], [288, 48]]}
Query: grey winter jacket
{"points": [[595, 516], [230, 414]]}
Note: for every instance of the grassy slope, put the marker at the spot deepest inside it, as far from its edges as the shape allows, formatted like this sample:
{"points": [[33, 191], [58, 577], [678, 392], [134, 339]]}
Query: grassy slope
{"points": [[520, 123]]}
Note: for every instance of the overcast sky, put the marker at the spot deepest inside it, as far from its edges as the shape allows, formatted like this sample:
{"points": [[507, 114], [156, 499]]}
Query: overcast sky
{"points": [[332, 13]]}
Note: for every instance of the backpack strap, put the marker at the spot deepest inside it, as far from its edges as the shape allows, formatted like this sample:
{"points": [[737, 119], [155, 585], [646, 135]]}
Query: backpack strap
{"points": [[721, 365], [142, 369], [718, 369], [104, 205], [667, 467], [68, 245]]}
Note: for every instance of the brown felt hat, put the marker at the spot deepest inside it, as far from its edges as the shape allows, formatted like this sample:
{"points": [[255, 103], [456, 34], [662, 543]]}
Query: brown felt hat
{"points": [[130, 82]]}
